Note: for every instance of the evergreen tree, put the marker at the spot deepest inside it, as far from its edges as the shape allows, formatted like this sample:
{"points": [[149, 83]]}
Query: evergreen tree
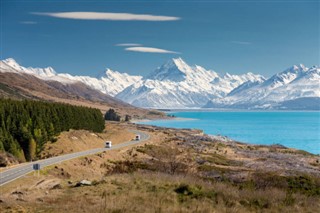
{"points": [[25, 126], [111, 115], [32, 147], [128, 118]]}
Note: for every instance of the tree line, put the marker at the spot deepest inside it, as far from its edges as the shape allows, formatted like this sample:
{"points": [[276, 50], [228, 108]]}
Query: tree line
{"points": [[25, 126], [112, 115]]}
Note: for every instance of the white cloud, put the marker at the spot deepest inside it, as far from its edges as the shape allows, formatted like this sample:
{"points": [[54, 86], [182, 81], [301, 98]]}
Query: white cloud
{"points": [[108, 16], [149, 50], [28, 22], [242, 42], [127, 45]]}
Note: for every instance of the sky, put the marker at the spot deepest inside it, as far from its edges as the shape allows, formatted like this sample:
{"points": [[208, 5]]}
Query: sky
{"points": [[86, 37]]}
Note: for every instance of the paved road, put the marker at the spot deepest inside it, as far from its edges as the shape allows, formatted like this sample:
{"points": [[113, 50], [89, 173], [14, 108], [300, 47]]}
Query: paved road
{"points": [[9, 175]]}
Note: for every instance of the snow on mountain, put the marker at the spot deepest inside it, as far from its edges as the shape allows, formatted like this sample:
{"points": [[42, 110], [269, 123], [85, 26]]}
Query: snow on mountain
{"points": [[295, 82], [178, 85], [177, 70], [11, 65], [110, 82], [229, 82], [48, 74], [286, 76]]}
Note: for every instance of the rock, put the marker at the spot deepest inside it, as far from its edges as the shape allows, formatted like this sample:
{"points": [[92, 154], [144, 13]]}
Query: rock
{"points": [[57, 186], [17, 193], [278, 146], [83, 183], [70, 182], [7, 159], [40, 199]]}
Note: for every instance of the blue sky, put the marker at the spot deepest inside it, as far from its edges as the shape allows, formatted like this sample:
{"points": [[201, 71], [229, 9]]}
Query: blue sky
{"points": [[227, 36]]}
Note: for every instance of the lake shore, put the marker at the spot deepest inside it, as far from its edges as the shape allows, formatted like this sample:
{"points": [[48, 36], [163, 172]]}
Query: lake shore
{"points": [[137, 121], [291, 129]]}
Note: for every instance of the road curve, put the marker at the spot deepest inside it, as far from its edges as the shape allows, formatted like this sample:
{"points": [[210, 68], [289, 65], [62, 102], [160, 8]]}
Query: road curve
{"points": [[9, 175]]}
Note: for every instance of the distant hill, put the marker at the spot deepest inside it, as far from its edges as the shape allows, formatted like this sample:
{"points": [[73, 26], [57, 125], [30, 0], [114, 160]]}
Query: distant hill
{"points": [[15, 84]]}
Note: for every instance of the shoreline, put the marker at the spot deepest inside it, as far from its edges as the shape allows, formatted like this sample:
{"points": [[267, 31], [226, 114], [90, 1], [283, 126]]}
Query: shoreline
{"points": [[138, 121], [224, 138], [230, 110]]}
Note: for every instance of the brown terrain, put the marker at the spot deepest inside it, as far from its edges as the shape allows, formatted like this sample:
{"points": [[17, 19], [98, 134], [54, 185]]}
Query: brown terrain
{"points": [[174, 171], [23, 86]]}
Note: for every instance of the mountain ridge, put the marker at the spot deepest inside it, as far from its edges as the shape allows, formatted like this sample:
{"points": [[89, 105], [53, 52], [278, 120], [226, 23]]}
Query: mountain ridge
{"points": [[175, 84]]}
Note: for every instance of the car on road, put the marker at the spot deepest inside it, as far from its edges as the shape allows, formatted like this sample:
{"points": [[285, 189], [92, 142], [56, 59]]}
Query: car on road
{"points": [[137, 138], [108, 144]]}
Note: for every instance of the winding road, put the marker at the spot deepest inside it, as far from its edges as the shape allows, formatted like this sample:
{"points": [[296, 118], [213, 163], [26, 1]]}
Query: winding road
{"points": [[9, 175]]}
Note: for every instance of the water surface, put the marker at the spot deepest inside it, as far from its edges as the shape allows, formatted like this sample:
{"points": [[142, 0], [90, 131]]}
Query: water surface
{"points": [[300, 130]]}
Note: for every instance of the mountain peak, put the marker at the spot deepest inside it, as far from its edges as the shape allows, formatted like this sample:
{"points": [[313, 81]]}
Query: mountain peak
{"points": [[173, 70], [44, 72], [286, 76], [178, 63], [177, 70], [12, 63], [106, 73], [297, 68]]}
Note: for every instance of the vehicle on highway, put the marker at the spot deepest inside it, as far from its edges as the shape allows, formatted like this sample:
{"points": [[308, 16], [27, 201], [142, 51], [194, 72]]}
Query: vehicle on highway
{"points": [[10, 174], [108, 144], [137, 138]]}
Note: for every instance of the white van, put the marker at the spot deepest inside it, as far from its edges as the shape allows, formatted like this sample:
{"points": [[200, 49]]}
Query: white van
{"points": [[137, 138], [108, 144]]}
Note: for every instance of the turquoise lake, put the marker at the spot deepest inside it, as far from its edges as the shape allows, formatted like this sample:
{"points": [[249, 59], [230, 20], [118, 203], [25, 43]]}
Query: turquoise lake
{"points": [[300, 130]]}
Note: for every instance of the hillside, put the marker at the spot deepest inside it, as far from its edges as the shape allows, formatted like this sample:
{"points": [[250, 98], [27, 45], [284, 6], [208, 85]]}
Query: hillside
{"points": [[175, 171], [26, 126], [18, 85]]}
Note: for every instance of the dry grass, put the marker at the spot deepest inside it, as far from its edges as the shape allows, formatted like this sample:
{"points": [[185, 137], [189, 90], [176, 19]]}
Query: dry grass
{"points": [[80, 140], [169, 175], [159, 192]]}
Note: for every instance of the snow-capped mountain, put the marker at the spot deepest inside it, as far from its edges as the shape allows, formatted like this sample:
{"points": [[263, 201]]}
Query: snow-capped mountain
{"points": [[10, 65], [292, 84], [176, 70], [178, 85], [110, 82]]}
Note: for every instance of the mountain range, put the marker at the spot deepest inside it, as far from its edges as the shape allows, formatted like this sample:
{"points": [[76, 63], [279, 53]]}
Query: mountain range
{"points": [[176, 84]]}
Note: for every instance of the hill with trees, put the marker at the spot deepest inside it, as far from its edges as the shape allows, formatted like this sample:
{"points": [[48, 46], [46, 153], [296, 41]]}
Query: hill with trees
{"points": [[25, 126]]}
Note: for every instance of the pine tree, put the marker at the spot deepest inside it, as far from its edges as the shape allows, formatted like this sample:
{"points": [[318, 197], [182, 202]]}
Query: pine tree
{"points": [[32, 147], [27, 124], [111, 115], [128, 118]]}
